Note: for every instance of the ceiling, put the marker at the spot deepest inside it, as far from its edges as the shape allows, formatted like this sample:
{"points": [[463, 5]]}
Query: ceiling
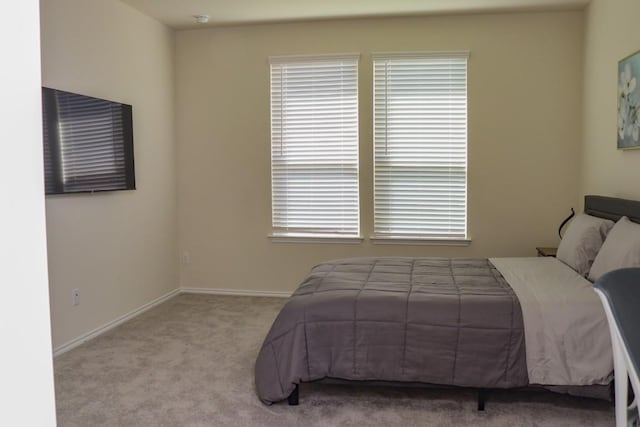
{"points": [[178, 14]]}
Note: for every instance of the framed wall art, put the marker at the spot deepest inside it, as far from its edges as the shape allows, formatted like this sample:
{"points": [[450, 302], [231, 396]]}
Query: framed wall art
{"points": [[629, 102]]}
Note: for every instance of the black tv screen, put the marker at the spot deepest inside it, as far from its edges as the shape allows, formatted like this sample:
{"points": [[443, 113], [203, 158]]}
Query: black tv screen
{"points": [[88, 143]]}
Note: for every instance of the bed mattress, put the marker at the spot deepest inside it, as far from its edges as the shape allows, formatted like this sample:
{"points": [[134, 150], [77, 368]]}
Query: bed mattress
{"points": [[566, 331], [428, 320]]}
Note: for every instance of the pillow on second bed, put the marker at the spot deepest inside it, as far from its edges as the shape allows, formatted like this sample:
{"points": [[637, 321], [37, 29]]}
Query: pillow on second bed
{"points": [[621, 249], [582, 241]]}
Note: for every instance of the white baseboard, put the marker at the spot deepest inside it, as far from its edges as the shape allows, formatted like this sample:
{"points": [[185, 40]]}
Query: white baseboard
{"points": [[236, 292], [112, 324]]}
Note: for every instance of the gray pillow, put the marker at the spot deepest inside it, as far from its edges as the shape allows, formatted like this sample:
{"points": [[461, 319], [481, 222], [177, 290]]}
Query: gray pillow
{"points": [[582, 241], [621, 249]]}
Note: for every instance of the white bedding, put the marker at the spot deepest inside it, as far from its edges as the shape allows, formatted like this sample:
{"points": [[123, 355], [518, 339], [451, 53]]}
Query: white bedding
{"points": [[566, 331]]}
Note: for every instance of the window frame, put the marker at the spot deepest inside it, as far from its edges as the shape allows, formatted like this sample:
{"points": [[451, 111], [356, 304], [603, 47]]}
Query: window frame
{"points": [[310, 235], [415, 238]]}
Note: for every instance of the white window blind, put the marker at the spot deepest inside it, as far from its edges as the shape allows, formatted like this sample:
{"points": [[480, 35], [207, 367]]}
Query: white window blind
{"points": [[420, 145], [314, 145]]}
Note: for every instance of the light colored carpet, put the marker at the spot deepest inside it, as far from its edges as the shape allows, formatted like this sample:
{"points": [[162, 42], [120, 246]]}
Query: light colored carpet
{"points": [[189, 362]]}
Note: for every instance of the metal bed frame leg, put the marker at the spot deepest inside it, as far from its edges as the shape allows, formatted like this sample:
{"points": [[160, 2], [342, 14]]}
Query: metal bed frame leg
{"points": [[482, 398], [293, 397]]}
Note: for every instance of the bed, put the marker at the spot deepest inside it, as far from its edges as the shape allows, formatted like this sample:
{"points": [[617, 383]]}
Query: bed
{"points": [[480, 323]]}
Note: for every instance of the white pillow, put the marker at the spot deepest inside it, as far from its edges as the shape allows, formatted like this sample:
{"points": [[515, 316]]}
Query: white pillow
{"points": [[582, 241], [621, 249]]}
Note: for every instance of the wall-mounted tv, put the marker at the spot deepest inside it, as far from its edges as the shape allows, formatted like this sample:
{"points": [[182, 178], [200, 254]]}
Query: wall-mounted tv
{"points": [[88, 143]]}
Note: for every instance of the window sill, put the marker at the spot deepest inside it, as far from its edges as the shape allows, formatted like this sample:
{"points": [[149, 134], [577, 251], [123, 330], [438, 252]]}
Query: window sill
{"points": [[314, 238], [396, 240]]}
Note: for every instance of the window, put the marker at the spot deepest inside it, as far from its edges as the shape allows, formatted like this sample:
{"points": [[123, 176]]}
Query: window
{"points": [[420, 146], [314, 146]]}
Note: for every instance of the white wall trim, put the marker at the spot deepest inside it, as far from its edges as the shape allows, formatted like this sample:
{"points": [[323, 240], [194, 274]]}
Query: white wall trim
{"points": [[112, 324], [317, 238], [236, 292], [391, 240]]}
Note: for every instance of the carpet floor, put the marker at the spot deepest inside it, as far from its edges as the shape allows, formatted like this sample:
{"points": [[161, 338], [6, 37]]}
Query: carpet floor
{"points": [[189, 362]]}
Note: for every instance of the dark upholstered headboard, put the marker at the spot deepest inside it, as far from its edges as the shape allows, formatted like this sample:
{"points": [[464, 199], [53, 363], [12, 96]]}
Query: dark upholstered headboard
{"points": [[612, 208]]}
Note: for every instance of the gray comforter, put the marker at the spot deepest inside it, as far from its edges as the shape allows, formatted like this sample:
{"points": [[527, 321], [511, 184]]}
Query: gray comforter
{"points": [[429, 320]]}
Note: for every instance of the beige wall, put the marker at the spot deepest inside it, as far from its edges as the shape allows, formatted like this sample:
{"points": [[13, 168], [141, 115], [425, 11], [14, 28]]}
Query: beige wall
{"points": [[524, 133], [118, 248], [611, 33]]}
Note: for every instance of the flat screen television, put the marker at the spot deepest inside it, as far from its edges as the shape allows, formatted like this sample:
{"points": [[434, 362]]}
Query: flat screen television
{"points": [[88, 143]]}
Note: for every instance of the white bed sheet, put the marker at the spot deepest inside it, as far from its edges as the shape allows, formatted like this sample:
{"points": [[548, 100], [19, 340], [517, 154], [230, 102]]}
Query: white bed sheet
{"points": [[566, 332]]}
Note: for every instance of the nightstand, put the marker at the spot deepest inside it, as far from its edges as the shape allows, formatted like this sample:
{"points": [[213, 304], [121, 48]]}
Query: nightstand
{"points": [[547, 251]]}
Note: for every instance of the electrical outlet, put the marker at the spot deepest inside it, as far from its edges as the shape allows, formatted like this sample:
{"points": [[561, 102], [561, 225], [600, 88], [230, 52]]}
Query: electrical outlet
{"points": [[186, 258], [75, 296]]}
